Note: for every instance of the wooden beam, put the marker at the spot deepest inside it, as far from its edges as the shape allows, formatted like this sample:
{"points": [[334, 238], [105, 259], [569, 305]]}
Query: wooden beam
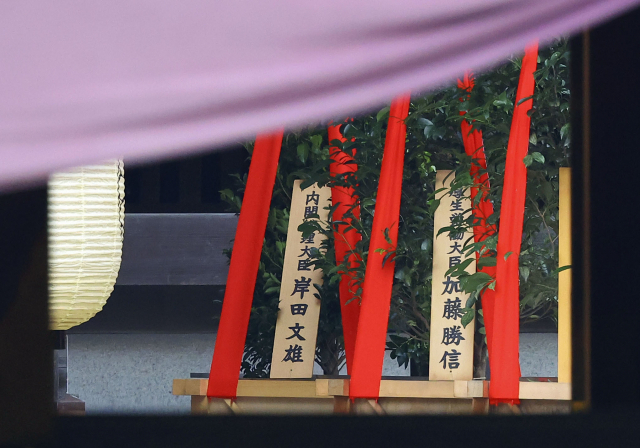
{"points": [[195, 387], [277, 388], [176, 249], [254, 388], [476, 389], [330, 388], [431, 406], [262, 406], [179, 387], [417, 389], [545, 391]]}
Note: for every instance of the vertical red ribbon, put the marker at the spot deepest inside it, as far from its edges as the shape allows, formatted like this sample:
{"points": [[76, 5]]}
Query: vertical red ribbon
{"points": [[376, 295], [345, 241], [504, 360], [474, 147], [243, 269]]}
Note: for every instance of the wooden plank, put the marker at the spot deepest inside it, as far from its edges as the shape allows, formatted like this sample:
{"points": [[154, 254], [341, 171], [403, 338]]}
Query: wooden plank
{"points": [[196, 386], [362, 406], [431, 406], [545, 407], [176, 249], [210, 406], [460, 389], [198, 405], [339, 387], [283, 406], [564, 278], [216, 406], [451, 354], [384, 406], [70, 405], [252, 388], [294, 343], [277, 388], [341, 405], [322, 387], [416, 389], [336, 387], [262, 406], [475, 389], [480, 406], [545, 391], [333, 387], [179, 387]]}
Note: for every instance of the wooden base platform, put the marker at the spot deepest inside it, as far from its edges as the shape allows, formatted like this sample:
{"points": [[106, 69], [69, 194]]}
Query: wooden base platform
{"points": [[329, 396]]}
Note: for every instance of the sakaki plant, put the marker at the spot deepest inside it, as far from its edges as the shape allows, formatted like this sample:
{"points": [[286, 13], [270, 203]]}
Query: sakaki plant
{"points": [[433, 142]]}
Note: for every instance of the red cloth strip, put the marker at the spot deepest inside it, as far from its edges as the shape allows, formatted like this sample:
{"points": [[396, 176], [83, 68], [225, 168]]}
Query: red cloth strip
{"points": [[376, 296], [345, 241], [243, 269], [505, 367], [474, 147]]}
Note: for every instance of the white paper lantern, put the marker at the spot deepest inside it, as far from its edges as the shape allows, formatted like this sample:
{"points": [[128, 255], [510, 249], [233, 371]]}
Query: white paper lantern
{"points": [[86, 229]]}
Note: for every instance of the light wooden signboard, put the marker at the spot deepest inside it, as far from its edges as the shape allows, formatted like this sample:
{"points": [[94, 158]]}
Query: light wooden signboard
{"points": [[297, 326], [564, 278], [451, 345]]}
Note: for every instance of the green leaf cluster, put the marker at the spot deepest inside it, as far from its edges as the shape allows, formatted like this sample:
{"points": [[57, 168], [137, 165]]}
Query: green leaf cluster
{"points": [[433, 142]]}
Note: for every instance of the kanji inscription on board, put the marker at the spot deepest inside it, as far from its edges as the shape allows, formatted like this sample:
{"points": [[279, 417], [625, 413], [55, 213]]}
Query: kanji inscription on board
{"points": [[451, 344], [299, 310]]}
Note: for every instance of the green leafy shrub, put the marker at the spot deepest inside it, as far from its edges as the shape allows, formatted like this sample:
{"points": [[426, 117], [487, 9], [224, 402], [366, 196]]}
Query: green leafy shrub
{"points": [[434, 141]]}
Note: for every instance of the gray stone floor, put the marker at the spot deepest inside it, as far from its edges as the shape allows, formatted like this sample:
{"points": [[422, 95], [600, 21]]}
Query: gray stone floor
{"points": [[133, 373], [539, 354]]}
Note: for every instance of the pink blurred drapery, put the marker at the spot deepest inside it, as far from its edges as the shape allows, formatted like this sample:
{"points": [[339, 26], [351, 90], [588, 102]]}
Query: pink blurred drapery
{"points": [[82, 82]]}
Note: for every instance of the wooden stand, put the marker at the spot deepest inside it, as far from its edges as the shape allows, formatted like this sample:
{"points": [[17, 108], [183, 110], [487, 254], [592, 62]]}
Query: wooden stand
{"points": [[399, 397]]}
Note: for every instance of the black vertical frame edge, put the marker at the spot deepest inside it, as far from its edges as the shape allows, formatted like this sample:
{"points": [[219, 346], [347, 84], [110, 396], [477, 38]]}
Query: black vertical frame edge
{"points": [[26, 344], [580, 211]]}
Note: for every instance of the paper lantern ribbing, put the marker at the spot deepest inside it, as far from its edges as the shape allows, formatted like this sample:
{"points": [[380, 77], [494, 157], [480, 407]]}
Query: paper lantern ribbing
{"points": [[86, 229]]}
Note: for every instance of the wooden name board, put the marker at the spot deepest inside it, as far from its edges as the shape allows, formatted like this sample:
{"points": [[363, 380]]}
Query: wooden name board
{"points": [[564, 278], [451, 344], [294, 345]]}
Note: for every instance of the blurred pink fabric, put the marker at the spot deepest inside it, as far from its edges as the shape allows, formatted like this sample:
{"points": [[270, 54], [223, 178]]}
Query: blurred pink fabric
{"points": [[85, 81]]}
